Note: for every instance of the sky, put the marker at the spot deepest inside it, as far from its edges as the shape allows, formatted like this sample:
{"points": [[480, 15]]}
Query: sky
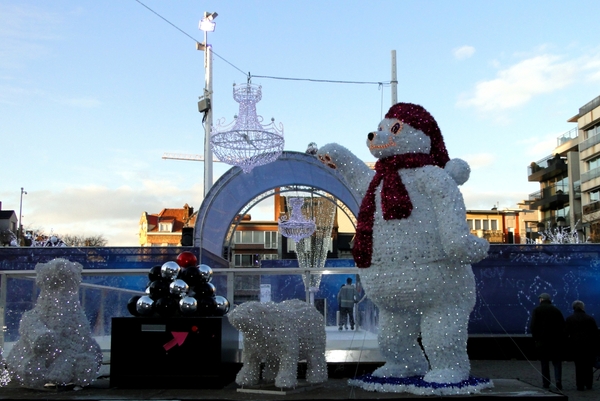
{"points": [[93, 93]]}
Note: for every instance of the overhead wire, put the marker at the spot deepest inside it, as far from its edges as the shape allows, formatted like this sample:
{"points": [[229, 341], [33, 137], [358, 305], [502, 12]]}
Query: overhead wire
{"points": [[380, 84]]}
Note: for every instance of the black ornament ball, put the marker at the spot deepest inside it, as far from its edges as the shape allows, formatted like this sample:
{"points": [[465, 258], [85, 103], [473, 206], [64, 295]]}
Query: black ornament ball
{"points": [[207, 306], [191, 275], [166, 307], [155, 273], [132, 305], [159, 289], [205, 290]]}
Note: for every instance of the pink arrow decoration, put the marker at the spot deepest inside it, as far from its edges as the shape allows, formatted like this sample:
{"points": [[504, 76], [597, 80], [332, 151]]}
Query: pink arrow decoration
{"points": [[178, 339]]}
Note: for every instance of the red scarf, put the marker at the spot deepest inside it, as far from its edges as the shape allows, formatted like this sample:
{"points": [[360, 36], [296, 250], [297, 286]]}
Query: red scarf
{"points": [[395, 201]]}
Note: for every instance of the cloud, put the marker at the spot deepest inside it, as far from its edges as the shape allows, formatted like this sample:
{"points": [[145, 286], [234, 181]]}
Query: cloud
{"points": [[475, 199], [98, 210], [24, 33], [480, 160], [518, 84], [463, 52], [80, 102]]}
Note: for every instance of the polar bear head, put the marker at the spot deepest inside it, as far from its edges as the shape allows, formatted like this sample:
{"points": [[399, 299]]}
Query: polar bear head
{"points": [[408, 128], [58, 276]]}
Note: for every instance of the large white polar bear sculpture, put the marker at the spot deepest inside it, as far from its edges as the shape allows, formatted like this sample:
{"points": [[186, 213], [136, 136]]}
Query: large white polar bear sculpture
{"points": [[280, 335], [414, 244], [55, 344]]}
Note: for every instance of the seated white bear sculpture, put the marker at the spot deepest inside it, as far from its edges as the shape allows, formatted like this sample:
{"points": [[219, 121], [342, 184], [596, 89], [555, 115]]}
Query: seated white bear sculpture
{"points": [[280, 335], [55, 344], [414, 245]]}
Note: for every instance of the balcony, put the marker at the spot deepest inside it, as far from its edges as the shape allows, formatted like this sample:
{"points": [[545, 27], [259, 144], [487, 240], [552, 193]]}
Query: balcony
{"points": [[591, 207], [567, 136], [550, 198], [590, 175], [546, 168], [492, 236]]}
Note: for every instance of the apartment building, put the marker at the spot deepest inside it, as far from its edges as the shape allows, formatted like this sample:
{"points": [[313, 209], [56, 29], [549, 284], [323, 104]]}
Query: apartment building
{"points": [[569, 178]]}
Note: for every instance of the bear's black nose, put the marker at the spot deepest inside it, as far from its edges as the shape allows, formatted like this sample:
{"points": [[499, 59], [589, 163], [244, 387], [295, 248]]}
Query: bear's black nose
{"points": [[371, 136]]}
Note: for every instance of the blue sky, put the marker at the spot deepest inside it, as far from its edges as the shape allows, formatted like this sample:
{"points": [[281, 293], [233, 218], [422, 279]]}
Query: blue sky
{"points": [[93, 93]]}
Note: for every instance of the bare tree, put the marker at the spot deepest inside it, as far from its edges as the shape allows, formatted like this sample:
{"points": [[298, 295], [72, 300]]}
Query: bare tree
{"points": [[82, 240]]}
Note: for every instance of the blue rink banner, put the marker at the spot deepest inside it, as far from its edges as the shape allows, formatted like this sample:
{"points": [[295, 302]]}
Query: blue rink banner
{"points": [[508, 281]]}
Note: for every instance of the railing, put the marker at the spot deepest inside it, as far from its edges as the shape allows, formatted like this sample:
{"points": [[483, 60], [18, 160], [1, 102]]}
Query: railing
{"points": [[544, 163], [590, 175], [104, 293], [551, 190], [567, 136], [588, 143], [591, 207]]}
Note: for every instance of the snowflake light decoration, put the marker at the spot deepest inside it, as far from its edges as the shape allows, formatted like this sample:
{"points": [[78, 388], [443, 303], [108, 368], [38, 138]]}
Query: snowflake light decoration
{"points": [[248, 143]]}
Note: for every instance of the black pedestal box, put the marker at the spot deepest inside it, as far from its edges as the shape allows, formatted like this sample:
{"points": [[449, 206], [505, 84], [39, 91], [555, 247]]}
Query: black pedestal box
{"points": [[178, 352]]}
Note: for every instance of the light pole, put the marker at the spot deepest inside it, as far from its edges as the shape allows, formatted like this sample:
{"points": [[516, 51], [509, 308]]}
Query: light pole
{"points": [[207, 24], [20, 236]]}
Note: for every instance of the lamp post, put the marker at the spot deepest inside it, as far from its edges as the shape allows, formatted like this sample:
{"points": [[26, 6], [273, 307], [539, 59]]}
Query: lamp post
{"points": [[20, 236], [207, 24]]}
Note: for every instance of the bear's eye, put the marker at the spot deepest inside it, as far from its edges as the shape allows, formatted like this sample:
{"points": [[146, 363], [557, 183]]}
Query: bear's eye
{"points": [[380, 128], [396, 127]]}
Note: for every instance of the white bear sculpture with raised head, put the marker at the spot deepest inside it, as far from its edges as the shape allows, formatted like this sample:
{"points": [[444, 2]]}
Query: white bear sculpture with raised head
{"points": [[414, 245]]}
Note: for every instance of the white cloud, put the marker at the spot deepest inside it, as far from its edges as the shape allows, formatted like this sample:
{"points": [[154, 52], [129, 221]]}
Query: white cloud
{"points": [[480, 160], [516, 85], [463, 52], [81, 102], [95, 210], [24, 33], [475, 199]]}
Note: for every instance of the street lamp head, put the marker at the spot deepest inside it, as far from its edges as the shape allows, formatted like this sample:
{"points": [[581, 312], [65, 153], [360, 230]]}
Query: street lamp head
{"points": [[206, 23]]}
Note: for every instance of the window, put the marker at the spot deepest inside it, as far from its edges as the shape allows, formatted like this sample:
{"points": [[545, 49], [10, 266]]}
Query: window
{"points": [[592, 131], [271, 239], [252, 260], [165, 227], [482, 224], [595, 195], [249, 237], [593, 163]]}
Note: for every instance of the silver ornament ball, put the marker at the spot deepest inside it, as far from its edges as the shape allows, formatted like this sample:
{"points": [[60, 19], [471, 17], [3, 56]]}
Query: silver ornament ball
{"points": [[179, 287], [170, 270], [145, 305], [222, 305], [188, 305], [206, 273]]}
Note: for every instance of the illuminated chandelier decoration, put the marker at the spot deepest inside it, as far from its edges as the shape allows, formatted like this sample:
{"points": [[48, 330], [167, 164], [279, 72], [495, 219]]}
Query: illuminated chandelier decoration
{"points": [[296, 226], [248, 143], [312, 250]]}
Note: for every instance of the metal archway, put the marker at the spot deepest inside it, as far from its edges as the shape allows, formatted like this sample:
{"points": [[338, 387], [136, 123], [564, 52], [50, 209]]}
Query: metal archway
{"points": [[235, 189]]}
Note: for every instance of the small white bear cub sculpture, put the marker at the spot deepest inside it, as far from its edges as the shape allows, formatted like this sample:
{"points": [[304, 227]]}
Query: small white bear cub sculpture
{"points": [[280, 335], [55, 344]]}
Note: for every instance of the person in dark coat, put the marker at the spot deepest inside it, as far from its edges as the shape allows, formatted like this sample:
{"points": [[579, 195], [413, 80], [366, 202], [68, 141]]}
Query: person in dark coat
{"points": [[347, 297], [582, 332], [548, 332]]}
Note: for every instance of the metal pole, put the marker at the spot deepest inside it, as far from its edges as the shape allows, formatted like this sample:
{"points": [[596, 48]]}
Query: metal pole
{"points": [[208, 156], [394, 81], [20, 230]]}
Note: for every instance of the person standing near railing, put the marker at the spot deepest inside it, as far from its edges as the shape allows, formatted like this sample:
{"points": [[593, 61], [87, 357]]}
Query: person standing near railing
{"points": [[582, 332], [548, 332], [347, 297]]}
